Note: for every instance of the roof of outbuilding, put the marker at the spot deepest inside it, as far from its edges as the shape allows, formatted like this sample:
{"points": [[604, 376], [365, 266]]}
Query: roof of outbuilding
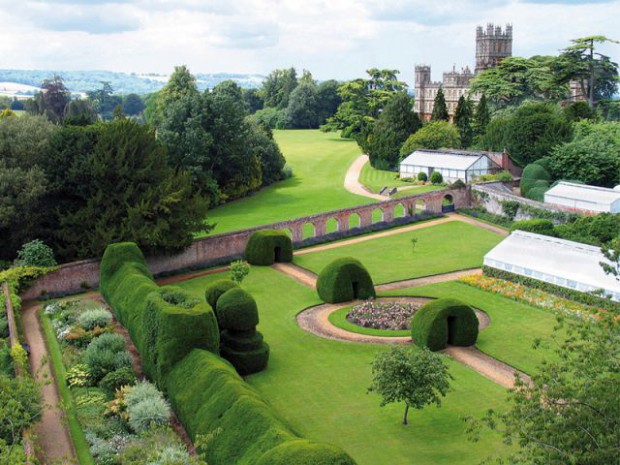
{"points": [[450, 159], [583, 192]]}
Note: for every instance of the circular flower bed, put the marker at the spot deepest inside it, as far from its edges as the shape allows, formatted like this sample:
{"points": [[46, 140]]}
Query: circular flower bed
{"points": [[391, 315]]}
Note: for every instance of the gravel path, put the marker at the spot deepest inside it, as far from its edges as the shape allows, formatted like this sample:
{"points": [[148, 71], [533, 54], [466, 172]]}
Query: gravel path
{"points": [[438, 278], [352, 183], [52, 435]]}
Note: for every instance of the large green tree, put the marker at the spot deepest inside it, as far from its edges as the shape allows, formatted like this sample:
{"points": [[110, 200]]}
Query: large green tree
{"points": [[435, 135], [328, 100], [463, 115], [20, 407], [595, 73], [302, 109], [415, 377], [52, 99], [570, 412], [396, 122], [277, 87], [440, 109], [592, 157]]}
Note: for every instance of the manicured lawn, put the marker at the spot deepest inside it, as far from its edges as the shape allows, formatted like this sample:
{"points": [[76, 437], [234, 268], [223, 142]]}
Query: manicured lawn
{"points": [[514, 326], [319, 161], [375, 179], [417, 190], [440, 249], [319, 386]]}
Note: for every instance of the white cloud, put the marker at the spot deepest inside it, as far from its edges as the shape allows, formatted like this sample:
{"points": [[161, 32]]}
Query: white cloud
{"points": [[332, 38]]}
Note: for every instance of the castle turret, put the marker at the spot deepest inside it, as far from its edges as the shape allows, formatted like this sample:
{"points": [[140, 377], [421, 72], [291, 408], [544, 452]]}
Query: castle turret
{"points": [[492, 46]]}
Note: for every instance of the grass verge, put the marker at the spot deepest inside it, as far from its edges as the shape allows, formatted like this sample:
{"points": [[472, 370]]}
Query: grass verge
{"points": [[339, 319]]}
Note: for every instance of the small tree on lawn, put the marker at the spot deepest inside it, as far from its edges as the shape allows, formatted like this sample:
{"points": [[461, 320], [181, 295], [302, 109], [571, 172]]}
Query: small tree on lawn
{"points": [[239, 270], [416, 377]]}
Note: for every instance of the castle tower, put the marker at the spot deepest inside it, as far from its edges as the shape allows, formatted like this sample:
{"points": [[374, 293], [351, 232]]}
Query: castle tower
{"points": [[492, 46], [422, 82]]}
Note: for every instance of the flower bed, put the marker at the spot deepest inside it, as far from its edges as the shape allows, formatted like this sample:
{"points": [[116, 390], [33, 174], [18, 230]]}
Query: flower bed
{"points": [[388, 316], [531, 296], [124, 421]]}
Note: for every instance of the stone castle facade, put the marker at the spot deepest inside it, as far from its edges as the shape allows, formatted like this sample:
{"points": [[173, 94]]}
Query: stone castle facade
{"points": [[492, 45]]}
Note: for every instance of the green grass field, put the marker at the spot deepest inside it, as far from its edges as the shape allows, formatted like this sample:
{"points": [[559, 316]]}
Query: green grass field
{"points": [[417, 190], [319, 387], [440, 249], [514, 326], [375, 179], [319, 161]]}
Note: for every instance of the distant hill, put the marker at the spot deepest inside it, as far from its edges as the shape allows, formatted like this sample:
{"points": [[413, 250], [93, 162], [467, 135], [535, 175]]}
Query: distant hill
{"points": [[122, 83]]}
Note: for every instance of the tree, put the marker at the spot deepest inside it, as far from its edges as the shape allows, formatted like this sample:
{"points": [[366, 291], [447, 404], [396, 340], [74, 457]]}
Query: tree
{"points": [[395, 123], [53, 99], [180, 84], [435, 135], [133, 105], [592, 157], [79, 113], [328, 100], [482, 117], [302, 109], [104, 101], [570, 411], [463, 121], [277, 87], [440, 110], [253, 100], [265, 148], [36, 253], [416, 377], [596, 74], [20, 407], [239, 269]]}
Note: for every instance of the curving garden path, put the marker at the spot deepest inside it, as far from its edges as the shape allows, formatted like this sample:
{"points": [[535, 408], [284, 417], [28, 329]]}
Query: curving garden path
{"points": [[352, 183]]}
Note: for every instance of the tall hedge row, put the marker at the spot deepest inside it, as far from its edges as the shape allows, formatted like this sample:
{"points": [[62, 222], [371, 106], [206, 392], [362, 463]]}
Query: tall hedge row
{"points": [[343, 280], [209, 396], [165, 323], [442, 322], [268, 246]]}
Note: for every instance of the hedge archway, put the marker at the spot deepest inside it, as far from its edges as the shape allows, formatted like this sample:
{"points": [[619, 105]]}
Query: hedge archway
{"points": [[269, 246], [443, 322], [343, 280]]}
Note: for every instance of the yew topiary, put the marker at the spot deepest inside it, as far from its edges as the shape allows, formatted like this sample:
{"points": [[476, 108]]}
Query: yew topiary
{"points": [[269, 246], [215, 290], [343, 280], [443, 322]]}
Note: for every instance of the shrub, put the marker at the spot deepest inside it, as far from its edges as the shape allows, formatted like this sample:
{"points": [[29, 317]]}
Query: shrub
{"points": [[269, 246], [532, 173], [105, 354], [442, 322], [97, 317], [208, 394], [343, 280], [535, 226], [36, 253], [111, 341], [247, 362], [436, 177], [148, 414], [306, 452], [422, 176], [115, 379], [165, 323], [140, 392], [237, 310], [215, 290], [239, 270]]}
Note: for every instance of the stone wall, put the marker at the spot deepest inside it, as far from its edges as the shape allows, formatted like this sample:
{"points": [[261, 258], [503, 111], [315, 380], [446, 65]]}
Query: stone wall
{"points": [[218, 248]]}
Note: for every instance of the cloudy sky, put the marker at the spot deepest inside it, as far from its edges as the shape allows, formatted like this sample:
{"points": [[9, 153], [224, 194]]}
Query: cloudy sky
{"points": [[332, 38]]}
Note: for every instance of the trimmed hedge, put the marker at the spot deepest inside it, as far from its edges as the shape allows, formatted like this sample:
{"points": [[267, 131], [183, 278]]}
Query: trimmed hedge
{"points": [[442, 322], [237, 310], [209, 395], [215, 290], [343, 280], [535, 226], [165, 323], [268, 246]]}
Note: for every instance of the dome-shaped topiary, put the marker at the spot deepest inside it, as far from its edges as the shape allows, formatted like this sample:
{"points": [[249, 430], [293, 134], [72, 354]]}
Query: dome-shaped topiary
{"points": [[268, 246], [443, 322], [215, 290], [236, 310], [343, 280], [306, 452]]}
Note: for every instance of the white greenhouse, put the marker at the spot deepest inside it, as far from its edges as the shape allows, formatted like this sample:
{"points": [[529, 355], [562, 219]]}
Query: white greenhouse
{"points": [[584, 197], [556, 261], [452, 164]]}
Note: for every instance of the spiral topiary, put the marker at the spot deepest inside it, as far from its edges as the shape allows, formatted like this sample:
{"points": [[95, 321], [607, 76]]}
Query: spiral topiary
{"points": [[443, 322], [343, 280]]}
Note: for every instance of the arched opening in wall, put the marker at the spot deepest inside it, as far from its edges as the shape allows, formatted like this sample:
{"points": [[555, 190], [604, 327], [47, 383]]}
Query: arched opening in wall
{"points": [[308, 231], [332, 225], [420, 205], [447, 205], [377, 215], [400, 211], [354, 221]]}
